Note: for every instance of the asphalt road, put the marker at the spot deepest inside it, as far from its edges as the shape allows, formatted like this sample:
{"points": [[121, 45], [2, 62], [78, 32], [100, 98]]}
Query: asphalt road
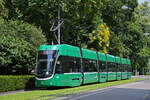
{"points": [[130, 91]]}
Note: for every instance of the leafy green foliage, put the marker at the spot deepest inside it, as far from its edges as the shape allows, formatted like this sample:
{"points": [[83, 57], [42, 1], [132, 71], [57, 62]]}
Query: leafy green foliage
{"points": [[142, 18], [79, 16], [16, 57], [116, 18], [18, 45], [3, 9], [142, 13], [128, 27], [136, 43], [116, 44], [100, 37], [12, 83], [83, 16], [24, 31]]}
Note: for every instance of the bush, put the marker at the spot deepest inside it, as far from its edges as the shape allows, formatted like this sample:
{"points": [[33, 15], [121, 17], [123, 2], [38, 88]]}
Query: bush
{"points": [[24, 31], [16, 56], [3, 9], [18, 46], [147, 73], [12, 83]]}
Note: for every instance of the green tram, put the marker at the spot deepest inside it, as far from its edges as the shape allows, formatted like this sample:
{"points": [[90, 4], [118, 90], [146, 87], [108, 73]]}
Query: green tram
{"points": [[66, 65]]}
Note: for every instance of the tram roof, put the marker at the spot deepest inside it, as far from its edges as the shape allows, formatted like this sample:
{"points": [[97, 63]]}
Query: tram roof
{"points": [[110, 58], [101, 56], [69, 50], [118, 60], [128, 61], [124, 61], [89, 54], [64, 49]]}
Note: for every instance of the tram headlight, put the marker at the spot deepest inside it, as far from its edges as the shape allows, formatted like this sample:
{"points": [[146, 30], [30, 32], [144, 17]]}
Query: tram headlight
{"points": [[47, 73]]}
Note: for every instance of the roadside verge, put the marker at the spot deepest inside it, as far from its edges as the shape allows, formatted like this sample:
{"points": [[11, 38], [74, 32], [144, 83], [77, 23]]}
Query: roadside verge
{"points": [[49, 94]]}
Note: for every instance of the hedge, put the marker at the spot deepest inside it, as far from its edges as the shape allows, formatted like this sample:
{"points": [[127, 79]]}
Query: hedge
{"points": [[12, 83]]}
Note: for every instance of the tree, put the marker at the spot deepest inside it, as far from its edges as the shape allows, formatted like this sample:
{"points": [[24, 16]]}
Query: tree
{"points": [[115, 16], [3, 9], [136, 43], [99, 38], [117, 47], [142, 16], [16, 56], [82, 19], [18, 45], [127, 38], [142, 13], [24, 31], [80, 16]]}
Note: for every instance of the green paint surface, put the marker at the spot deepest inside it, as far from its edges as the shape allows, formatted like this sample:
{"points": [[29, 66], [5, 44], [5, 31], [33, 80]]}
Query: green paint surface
{"points": [[44, 83], [128, 62], [64, 49], [123, 61], [89, 54], [118, 60], [110, 58], [103, 77], [124, 75], [129, 75], [118, 75], [90, 78], [101, 56], [111, 76], [73, 79]]}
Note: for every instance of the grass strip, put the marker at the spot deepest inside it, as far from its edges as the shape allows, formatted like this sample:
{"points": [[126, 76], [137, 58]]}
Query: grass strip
{"points": [[48, 94]]}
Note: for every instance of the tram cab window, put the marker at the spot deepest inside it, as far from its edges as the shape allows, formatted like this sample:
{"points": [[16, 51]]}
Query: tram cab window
{"points": [[111, 67], [45, 63], [89, 65], [66, 64], [102, 66]]}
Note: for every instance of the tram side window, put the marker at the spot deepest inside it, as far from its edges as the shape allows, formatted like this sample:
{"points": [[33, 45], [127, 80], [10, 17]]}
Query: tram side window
{"points": [[119, 68], [129, 68], [125, 68], [111, 67], [89, 65], [66, 64], [94, 65], [59, 66], [77, 65], [102, 66]]}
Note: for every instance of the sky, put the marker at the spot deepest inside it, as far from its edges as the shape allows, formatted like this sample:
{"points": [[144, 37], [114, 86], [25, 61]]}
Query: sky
{"points": [[141, 1]]}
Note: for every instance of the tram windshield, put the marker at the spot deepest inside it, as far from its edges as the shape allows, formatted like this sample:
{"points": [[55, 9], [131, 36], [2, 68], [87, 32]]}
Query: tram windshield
{"points": [[45, 63]]}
